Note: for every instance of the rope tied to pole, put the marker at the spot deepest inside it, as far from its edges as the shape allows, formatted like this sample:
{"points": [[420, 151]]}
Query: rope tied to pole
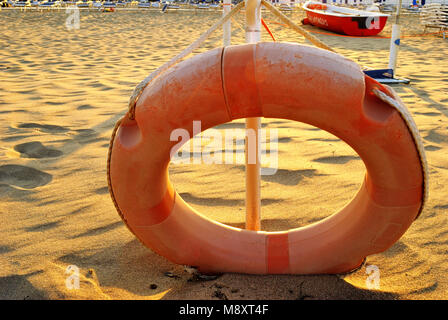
{"points": [[197, 43], [314, 40], [142, 85], [267, 29]]}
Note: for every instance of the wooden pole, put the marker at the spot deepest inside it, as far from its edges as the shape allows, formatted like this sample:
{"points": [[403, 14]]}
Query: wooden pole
{"points": [[227, 27], [253, 168]]}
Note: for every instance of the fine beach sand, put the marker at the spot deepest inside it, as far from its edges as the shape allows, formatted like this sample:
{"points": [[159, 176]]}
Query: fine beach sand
{"points": [[62, 91]]}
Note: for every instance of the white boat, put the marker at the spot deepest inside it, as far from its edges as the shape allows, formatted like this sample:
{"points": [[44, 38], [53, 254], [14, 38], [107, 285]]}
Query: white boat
{"points": [[374, 7], [342, 20]]}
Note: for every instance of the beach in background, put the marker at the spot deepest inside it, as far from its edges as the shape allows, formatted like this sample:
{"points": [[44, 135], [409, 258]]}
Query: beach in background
{"points": [[61, 92]]}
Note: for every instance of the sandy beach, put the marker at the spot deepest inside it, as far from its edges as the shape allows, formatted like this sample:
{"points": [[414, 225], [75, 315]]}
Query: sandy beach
{"points": [[61, 92]]}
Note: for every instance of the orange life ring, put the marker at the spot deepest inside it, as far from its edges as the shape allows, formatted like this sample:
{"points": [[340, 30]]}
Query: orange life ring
{"points": [[272, 80]]}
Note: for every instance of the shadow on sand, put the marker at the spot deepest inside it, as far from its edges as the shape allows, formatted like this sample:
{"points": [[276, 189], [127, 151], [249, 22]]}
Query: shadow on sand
{"points": [[138, 270]]}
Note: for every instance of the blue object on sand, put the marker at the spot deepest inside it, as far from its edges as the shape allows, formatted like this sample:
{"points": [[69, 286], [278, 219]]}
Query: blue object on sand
{"points": [[385, 76]]}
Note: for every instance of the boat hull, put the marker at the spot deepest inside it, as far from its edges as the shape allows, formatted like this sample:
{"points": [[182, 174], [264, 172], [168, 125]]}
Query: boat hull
{"points": [[348, 25]]}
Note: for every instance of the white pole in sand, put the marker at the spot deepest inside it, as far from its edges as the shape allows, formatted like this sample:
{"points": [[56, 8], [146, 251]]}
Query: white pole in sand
{"points": [[227, 28], [395, 40], [253, 202]]}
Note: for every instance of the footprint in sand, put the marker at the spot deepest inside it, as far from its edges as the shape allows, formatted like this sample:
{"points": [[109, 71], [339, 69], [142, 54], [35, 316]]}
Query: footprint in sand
{"points": [[205, 201], [432, 148], [18, 287], [48, 128], [5, 249], [429, 114], [85, 136], [324, 139], [37, 150], [86, 133], [290, 177], [283, 140], [85, 107], [15, 138], [336, 159], [436, 136], [23, 177], [99, 230], [43, 227], [103, 190]]}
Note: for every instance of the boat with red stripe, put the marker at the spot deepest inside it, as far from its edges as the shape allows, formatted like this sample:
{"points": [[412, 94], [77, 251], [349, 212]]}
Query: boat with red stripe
{"points": [[342, 20]]}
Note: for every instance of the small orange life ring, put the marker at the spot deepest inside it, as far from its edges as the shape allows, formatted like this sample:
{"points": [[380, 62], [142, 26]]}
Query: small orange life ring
{"points": [[272, 80]]}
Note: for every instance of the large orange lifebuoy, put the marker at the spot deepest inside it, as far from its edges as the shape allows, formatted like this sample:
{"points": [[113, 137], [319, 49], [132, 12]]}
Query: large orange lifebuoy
{"points": [[272, 80]]}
